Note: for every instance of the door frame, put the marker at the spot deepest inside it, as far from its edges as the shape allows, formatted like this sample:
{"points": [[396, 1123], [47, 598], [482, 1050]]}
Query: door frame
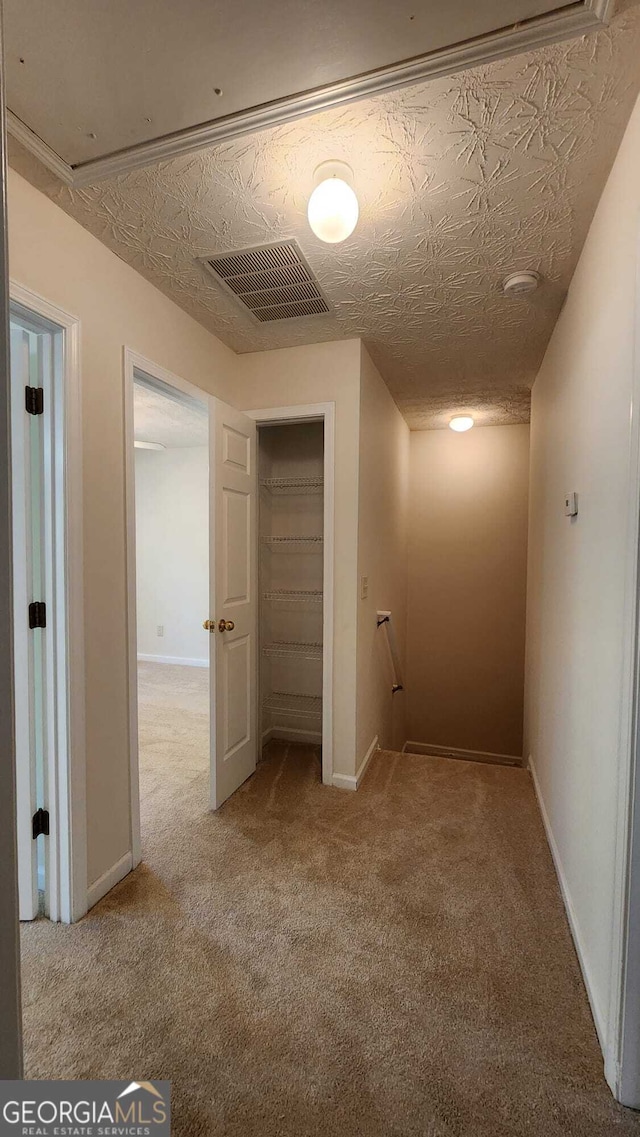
{"points": [[133, 361], [325, 413], [622, 1044], [66, 757], [11, 1065]]}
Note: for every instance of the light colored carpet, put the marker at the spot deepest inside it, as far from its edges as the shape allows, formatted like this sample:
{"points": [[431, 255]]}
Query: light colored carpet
{"points": [[312, 962]]}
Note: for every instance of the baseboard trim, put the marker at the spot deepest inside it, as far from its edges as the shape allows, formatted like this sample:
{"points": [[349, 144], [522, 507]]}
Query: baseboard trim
{"points": [[109, 879], [352, 781], [174, 659], [598, 1017], [464, 755]]}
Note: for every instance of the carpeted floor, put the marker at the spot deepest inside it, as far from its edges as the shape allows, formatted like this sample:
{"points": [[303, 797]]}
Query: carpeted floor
{"points": [[313, 963]]}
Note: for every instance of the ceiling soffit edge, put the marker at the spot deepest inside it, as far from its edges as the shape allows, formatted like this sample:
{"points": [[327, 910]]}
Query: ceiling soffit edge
{"points": [[581, 17], [39, 149]]}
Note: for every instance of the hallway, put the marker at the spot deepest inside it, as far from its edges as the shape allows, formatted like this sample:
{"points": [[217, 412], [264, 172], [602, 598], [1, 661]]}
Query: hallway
{"points": [[309, 961]]}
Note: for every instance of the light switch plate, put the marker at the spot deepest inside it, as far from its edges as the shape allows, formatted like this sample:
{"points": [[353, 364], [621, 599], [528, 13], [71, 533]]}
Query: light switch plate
{"points": [[364, 587]]}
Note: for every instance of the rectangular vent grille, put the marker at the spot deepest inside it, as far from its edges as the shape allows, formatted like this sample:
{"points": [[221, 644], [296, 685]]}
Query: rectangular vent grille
{"points": [[274, 282]]}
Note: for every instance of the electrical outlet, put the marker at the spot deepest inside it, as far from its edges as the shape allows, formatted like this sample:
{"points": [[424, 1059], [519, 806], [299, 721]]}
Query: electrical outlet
{"points": [[364, 587], [160, 630]]}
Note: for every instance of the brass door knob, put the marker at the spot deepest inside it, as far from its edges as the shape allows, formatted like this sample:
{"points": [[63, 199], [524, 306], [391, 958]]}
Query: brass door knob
{"points": [[226, 626], [209, 625]]}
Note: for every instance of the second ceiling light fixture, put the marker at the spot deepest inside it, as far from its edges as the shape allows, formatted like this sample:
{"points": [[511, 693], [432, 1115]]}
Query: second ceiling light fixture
{"points": [[333, 205]]}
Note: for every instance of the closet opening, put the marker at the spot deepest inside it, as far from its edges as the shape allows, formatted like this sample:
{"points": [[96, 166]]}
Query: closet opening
{"points": [[295, 584]]}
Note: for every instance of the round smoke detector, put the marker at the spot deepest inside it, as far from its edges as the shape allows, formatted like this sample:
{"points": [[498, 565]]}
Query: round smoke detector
{"points": [[520, 283]]}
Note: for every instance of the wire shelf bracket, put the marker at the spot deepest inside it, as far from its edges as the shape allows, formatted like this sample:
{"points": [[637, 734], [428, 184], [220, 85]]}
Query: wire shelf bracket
{"points": [[296, 649], [293, 485]]}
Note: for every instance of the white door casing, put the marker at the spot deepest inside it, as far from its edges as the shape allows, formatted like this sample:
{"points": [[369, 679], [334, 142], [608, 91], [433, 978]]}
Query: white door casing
{"points": [[54, 520], [233, 599], [22, 647]]}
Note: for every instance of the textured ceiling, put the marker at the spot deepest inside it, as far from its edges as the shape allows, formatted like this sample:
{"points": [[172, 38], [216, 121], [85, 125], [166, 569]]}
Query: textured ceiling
{"points": [[173, 422], [460, 181]]}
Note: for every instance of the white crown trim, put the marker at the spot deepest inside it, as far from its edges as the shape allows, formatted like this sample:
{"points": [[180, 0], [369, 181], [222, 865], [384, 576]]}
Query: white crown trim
{"points": [[35, 145], [575, 20]]}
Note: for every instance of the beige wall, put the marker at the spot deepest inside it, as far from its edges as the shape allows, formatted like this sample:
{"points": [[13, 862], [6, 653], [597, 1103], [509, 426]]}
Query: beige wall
{"points": [[172, 552], [467, 588], [382, 557], [324, 372], [580, 437], [54, 256]]}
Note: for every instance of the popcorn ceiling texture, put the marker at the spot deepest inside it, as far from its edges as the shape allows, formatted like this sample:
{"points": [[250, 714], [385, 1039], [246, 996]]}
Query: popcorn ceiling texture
{"points": [[460, 180]]}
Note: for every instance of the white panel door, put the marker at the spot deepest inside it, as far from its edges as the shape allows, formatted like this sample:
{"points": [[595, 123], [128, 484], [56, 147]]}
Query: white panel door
{"points": [[233, 607]]}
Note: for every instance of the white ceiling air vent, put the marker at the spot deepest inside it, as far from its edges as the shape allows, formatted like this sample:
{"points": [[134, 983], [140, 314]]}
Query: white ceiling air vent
{"points": [[274, 282]]}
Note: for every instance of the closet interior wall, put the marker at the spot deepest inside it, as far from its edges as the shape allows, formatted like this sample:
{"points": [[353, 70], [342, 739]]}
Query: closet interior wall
{"points": [[291, 464]]}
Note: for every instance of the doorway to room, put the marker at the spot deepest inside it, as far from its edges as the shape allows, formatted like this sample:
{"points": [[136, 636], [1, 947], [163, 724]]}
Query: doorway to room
{"points": [[47, 609], [171, 475], [191, 588], [195, 549]]}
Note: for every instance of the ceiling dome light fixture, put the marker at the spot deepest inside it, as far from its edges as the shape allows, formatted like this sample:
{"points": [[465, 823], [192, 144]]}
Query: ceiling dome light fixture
{"points": [[333, 205], [520, 283], [148, 445], [461, 423]]}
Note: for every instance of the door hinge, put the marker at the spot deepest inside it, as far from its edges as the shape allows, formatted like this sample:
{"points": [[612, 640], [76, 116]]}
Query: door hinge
{"points": [[41, 823], [34, 400], [38, 614]]}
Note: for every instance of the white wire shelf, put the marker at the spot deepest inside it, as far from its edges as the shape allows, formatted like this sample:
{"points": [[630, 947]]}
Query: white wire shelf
{"points": [[295, 649], [294, 596], [293, 485], [294, 706], [294, 544]]}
